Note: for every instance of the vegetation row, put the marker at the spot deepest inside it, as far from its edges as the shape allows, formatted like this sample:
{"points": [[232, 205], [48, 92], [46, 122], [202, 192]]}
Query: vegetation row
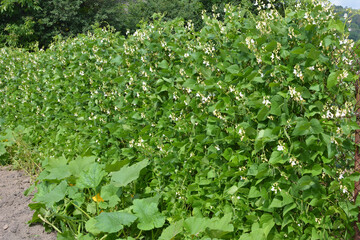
{"points": [[242, 130]]}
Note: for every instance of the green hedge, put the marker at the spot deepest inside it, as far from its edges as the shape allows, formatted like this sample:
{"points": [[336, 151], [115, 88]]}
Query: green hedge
{"points": [[240, 131]]}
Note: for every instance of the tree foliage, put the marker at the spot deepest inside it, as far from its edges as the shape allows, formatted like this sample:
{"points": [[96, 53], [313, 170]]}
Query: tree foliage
{"points": [[28, 23]]}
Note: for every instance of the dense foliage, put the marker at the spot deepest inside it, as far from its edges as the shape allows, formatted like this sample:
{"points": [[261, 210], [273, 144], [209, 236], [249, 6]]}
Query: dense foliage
{"points": [[30, 23], [242, 130], [33, 23]]}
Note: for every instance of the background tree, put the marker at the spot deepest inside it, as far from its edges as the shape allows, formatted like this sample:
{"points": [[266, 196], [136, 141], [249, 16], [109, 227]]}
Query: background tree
{"points": [[28, 23], [352, 19]]}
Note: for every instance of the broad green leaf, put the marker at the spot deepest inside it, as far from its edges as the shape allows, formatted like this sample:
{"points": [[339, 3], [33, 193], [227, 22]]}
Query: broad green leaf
{"points": [[147, 212], [164, 64], [196, 225], [332, 79], [55, 195], [232, 190], [276, 203], [337, 24], [313, 54], [315, 126], [263, 113], [80, 164], [275, 107], [90, 226], [267, 223], [233, 69], [302, 128], [111, 194], [288, 208], [172, 230], [92, 177], [254, 193], [206, 72], [221, 225], [277, 157], [298, 50], [127, 174], [305, 183], [110, 222], [271, 46]]}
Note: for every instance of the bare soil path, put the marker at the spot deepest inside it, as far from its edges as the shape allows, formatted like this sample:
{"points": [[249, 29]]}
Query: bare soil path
{"points": [[14, 210]]}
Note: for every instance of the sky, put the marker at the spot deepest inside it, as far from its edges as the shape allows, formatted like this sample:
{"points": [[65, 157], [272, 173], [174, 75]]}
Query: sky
{"points": [[355, 4]]}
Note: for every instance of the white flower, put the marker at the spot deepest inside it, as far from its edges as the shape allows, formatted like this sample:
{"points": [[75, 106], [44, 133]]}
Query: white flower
{"points": [[217, 148], [280, 147], [329, 114], [266, 101]]}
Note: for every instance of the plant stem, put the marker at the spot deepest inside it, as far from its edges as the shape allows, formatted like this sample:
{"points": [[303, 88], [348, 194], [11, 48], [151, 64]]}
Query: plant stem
{"points": [[81, 210], [49, 223]]}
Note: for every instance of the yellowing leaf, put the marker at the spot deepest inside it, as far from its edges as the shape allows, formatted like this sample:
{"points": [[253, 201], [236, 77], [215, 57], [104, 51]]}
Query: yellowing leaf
{"points": [[97, 198]]}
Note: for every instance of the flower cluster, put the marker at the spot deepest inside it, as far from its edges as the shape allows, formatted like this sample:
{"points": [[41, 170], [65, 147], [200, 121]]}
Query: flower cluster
{"points": [[295, 95]]}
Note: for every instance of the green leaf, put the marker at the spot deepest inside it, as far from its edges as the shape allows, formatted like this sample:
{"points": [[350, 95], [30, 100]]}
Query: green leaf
{"points": [[81, 164], [254, 193], [164, 64], [233, 69], [55, 195], [267, 223], [196, 225], [111, 193], [276, 106], [276, 203], [305, 183], [332, 79], [2, 149], [92, 177], [147, 212], [90, 226], [271, 46], [277, 157], [217, 228], [315, 126], [302, 128], [223, 224], [127, 174], [288, 208], [298, 50], [109, 222], [337, 24], [263, 113], [171, 231], [206, 72], [232, 190]]}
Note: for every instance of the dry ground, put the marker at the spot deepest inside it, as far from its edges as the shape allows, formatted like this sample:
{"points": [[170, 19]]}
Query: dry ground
{"points": [[14, 210]]}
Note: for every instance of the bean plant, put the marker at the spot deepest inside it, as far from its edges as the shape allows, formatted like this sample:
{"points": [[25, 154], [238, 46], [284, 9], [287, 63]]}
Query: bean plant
{"points": [[242, 130]]}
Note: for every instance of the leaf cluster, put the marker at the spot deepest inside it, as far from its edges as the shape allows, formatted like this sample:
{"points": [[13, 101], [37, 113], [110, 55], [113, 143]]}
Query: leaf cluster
{"points": [[240, 130]]}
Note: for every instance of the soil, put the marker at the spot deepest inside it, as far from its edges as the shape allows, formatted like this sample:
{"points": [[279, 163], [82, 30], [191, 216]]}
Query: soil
{"points": [[14, 210]]}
